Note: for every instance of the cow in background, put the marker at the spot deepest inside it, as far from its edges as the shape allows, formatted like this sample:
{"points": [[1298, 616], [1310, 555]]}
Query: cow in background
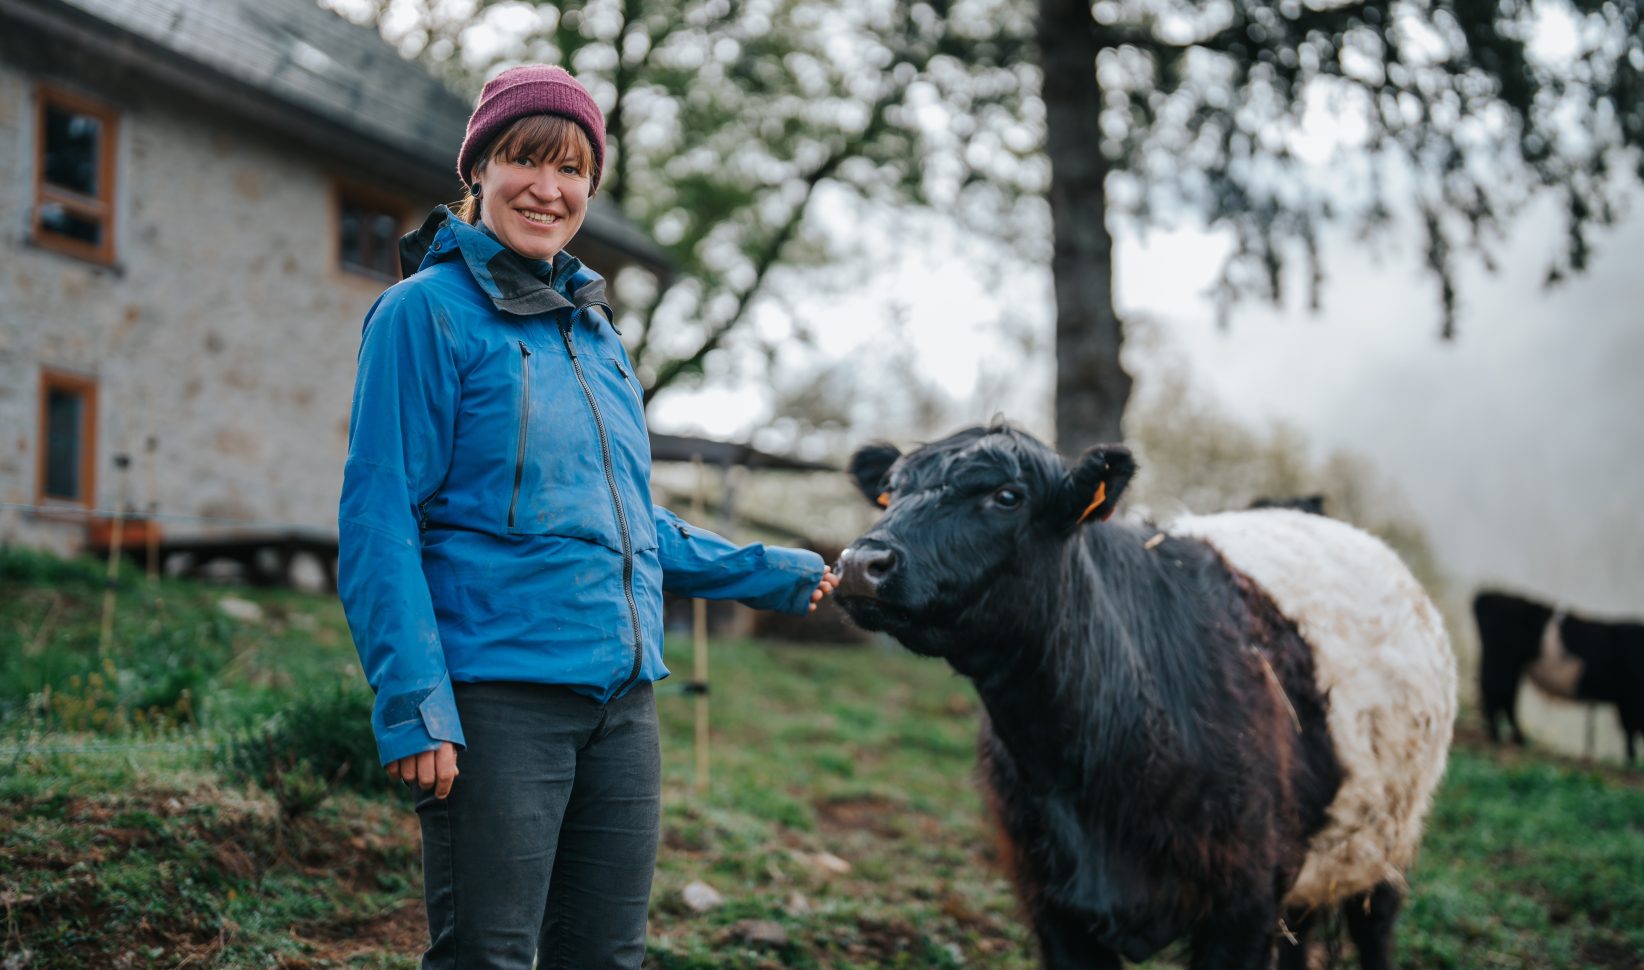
{"points": [[1563, 654], [1313, 504]]}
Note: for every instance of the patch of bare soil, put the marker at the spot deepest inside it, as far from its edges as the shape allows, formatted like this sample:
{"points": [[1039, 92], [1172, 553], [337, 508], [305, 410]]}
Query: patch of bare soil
{"points": [[878, 816], [1610, 954], [401, 928], [68, 919], [878, 943]]}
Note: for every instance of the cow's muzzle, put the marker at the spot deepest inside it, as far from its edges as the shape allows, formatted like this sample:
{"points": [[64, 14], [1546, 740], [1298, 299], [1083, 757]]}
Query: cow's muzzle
{"points": [[863, 568]]}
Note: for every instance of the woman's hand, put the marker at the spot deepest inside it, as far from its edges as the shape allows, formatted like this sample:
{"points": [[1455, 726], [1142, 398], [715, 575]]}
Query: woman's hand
{"points": [[829, 581], [430, 769]]}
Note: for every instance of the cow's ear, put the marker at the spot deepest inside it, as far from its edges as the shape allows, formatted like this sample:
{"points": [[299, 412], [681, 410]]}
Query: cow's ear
{"points": [[868, 467], [1093, 487]]}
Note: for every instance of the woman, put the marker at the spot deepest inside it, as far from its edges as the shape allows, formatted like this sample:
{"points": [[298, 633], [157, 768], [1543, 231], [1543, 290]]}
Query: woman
{"points": [[502, 566]]}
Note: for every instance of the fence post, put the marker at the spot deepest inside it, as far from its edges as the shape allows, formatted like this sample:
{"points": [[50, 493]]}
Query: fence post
{"points": [[699, 646], [122, 462]]}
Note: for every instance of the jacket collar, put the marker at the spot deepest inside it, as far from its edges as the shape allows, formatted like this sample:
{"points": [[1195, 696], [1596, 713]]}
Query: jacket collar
{"points": [[515, 284]]}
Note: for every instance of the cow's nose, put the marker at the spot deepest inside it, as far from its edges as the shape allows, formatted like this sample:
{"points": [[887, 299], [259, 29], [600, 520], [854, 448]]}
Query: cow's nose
{"points": [[863, 568]]}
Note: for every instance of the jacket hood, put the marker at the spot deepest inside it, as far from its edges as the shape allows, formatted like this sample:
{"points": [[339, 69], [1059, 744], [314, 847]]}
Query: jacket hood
{"points": [[515, 284]]}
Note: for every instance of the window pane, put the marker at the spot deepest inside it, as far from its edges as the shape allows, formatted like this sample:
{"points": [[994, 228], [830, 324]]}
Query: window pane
{"points": [[370, 240], [349, 247], [63, 421], [385, 258], [72, 146], [57, 219]]}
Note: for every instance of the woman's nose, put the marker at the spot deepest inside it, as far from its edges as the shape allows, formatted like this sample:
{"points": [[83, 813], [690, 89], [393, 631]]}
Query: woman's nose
{"points": [[547, 184]]}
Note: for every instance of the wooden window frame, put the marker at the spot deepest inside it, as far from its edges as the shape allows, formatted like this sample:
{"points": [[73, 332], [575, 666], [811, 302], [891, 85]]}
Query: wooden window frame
{"points": [[344, 194], [99, 208], [86, 387]]}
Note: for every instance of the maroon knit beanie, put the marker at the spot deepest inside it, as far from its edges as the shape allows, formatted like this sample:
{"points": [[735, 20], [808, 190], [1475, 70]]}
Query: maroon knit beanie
{"points": [[530, 89]]}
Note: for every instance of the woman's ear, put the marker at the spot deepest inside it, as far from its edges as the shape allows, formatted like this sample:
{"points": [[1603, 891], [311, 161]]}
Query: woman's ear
{"points": [[868, 468], [1091, 490]]}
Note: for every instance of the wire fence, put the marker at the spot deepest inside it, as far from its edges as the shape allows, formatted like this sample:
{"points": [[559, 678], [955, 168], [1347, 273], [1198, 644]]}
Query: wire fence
{"points": [[77, 511]]}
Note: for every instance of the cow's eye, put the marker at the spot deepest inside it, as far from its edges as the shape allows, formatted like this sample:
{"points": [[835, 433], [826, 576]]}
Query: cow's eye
{"points": [[1008, 497]]}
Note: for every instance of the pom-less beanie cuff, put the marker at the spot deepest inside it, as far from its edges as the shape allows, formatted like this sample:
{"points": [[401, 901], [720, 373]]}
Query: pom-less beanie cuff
{"points": [[530, 89]]}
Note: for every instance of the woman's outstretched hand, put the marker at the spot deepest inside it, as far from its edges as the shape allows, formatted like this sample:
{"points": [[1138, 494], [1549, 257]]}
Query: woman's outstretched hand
{"points": [[829, 581], [430, 769]]}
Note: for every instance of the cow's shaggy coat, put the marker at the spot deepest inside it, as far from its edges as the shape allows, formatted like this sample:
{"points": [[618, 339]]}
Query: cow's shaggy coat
{"points": [[1192, 732]]}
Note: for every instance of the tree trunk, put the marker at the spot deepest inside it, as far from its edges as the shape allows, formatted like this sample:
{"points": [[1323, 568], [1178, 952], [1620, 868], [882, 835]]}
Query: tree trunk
{"points": [[1091, 385]]}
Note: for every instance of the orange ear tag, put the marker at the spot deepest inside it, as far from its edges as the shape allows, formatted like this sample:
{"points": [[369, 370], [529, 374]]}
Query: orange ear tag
{"points": [[1101, 496], [883, 500]]}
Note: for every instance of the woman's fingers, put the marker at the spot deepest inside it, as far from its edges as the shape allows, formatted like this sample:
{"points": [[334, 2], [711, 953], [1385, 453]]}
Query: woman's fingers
{"points": [[425, 770], [823, 588], [445, 768], [430, 769]]}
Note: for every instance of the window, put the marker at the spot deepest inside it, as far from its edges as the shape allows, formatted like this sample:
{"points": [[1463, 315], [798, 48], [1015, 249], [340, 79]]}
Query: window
{"points": [[74, 176], [369, 236], [68, 439]]}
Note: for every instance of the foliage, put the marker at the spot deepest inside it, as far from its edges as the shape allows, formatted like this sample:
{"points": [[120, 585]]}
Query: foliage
{"points": [[20, 568], [174, 659], [1271, 118], [319, 741], [729, 123], [1464, 109]]}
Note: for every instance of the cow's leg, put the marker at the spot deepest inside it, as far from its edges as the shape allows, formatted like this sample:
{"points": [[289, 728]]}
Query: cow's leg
{"points": [[1370, 925], [1498, 695], [1066, 942], [1293, 948], [1238, 942]]}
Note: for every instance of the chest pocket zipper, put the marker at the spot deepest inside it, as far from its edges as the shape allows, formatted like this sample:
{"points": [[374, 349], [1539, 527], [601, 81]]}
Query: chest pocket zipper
{"points": [[524, 422], [632, 385]]}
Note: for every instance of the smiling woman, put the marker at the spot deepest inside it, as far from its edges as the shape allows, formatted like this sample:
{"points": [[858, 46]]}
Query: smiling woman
{"points": [[502, 564]]}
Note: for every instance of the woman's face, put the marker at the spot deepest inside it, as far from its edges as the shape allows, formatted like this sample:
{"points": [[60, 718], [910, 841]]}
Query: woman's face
{"points": [[533, 207]]}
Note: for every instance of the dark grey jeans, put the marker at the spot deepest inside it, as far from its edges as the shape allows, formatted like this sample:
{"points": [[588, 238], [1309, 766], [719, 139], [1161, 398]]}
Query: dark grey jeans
{"points": [[548, 840]]}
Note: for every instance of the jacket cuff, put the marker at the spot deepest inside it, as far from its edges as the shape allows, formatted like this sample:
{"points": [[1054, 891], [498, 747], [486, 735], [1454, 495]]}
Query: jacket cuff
{"points": [[414, 721], [805, 568]]}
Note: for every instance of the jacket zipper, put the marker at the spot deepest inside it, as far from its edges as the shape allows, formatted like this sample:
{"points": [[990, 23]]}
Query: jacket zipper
{"points": [[639, 398], [524, 415], [616, 503]]}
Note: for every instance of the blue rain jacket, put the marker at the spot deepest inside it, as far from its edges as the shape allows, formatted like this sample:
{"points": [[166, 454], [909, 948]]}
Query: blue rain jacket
{"points": [[496, 521]]}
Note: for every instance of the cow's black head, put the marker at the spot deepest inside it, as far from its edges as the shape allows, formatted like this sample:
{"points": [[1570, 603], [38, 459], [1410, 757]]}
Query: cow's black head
{"points": [[961, 515]]}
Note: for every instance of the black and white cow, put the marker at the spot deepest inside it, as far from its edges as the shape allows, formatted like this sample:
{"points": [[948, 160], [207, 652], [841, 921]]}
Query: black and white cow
{"points": [[1215, 731], [1565, 655]]}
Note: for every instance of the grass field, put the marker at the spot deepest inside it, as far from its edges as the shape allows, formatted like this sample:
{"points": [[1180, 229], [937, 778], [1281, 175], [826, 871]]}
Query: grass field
{"points": [[842, 830]]}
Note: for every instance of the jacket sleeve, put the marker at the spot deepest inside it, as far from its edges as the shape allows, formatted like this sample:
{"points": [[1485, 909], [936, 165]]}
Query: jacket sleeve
{"points": [[696, 562], [399, 449]]}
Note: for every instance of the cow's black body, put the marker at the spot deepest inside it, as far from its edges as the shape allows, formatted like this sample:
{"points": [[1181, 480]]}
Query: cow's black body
{"points": [[1205, 793], [1611, 654], [1156, 749]]}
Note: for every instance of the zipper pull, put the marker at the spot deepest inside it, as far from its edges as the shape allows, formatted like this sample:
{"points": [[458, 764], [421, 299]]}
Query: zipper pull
{"points": [[570, 348], [524, 351]]}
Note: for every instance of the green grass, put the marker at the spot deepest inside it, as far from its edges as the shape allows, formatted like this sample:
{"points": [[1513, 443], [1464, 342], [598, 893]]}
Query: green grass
{"points": [[125, 841]]}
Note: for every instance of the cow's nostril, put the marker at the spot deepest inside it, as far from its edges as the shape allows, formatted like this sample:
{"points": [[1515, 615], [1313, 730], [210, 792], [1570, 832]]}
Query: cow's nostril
{"points": [[878, 564]]}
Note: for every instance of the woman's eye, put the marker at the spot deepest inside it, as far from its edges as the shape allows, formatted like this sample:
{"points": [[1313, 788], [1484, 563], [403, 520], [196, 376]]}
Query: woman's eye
{"points": [[1007, 497], [523, 160]]}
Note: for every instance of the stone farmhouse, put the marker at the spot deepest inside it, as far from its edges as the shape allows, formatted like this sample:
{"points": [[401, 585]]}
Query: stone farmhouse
{"points": [[199, 200]]}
